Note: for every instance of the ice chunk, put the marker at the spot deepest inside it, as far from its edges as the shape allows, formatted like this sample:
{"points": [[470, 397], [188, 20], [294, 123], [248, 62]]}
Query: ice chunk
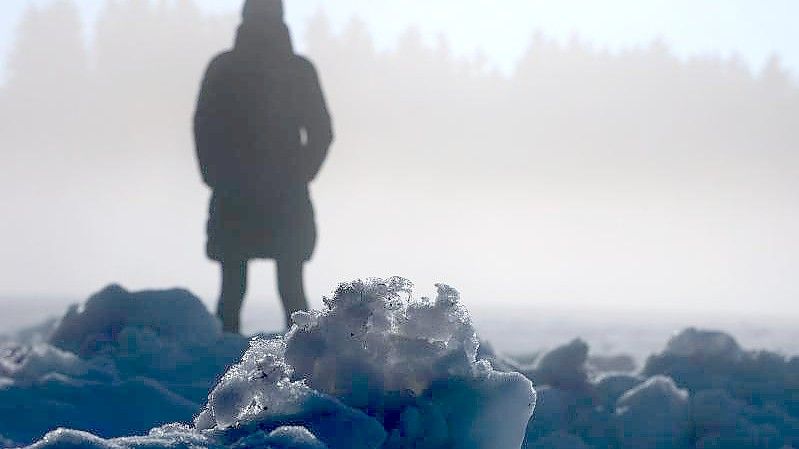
{"points": [[563, 367], [257, 387], [721, 421], [554, 411], [154, 334], [156, 357], [488, 411], [609, 388], [693, 342], [174, 315], [654, 415], [386, 343], [762, 380], [572, 412], [403, 366]]}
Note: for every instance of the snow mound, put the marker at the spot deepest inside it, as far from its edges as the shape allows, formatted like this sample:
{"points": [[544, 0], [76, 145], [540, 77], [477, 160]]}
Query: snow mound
{"points": [[703, 391], [175, 316], [610, 387], [155, 354], [399, 372], [654, 415], [693, 342], [722, 421], [760, 387], [564, 367], [377, 368]]}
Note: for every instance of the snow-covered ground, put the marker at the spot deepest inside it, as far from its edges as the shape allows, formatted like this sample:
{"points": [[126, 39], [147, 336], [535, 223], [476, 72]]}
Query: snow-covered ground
{"points": [[378, 368], [520, 331]]}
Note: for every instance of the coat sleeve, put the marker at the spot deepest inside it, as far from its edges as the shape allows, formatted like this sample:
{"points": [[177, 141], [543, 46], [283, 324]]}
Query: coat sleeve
{"points": [[315, 120], [210, 130]]}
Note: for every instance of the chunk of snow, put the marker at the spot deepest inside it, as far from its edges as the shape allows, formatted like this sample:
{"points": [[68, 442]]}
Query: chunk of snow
{"points": [[654, 415], [139, 352], [693, 342], [377, 369], [714, 411], [609, 388], [399, 360], [174, 315], [563, 367]]}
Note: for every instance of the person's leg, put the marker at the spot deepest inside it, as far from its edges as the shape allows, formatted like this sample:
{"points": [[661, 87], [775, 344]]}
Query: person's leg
{"points": [[234, 287], [290, 285]]}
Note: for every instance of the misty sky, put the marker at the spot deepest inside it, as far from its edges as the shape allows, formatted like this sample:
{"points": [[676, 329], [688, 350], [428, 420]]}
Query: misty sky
{"points": [[615, 226], [755, 30]]}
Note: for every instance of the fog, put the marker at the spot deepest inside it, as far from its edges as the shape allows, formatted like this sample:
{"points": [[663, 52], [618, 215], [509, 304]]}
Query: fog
{"points": [[582, 178]]}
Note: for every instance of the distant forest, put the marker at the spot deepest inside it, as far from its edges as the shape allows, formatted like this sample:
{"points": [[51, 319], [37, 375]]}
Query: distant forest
{"points": [[103, 129], [407, 109]]}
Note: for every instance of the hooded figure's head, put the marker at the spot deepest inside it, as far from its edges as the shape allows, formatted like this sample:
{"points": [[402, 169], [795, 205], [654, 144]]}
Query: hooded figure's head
{"points": [[262, 30], [262, 11]]}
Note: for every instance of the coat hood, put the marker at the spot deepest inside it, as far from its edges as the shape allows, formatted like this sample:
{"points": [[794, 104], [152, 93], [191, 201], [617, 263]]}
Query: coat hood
{"points": [[262, 31], [271, 40]]}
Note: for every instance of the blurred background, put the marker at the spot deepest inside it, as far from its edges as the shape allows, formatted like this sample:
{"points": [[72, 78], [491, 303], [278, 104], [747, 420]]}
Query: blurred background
{"points": [[615, 170]]}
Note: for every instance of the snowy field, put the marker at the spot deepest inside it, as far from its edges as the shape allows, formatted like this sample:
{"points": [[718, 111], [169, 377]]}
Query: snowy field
{"points": [[382, 368], [519, 331]]}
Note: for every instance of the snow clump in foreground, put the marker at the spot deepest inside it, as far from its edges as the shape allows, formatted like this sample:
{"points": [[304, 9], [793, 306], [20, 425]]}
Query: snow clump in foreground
{"points": [[377, 369], [119, 364], [398, 372]]}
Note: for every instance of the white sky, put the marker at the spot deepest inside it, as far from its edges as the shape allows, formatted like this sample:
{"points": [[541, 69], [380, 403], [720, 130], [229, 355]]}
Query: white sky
{"points": [[501, 29], [754, 30]]}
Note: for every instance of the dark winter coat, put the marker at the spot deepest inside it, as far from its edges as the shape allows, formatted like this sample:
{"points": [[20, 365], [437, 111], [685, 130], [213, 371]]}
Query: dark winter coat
{"points": [[262, 132]]}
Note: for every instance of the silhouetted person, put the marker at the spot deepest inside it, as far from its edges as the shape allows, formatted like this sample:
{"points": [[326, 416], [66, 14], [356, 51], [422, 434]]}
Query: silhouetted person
{"points": [[262, 131]]}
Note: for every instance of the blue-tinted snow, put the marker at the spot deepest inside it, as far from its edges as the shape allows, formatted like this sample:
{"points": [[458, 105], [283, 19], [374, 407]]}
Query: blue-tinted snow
{"points": [[376, 369]]}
